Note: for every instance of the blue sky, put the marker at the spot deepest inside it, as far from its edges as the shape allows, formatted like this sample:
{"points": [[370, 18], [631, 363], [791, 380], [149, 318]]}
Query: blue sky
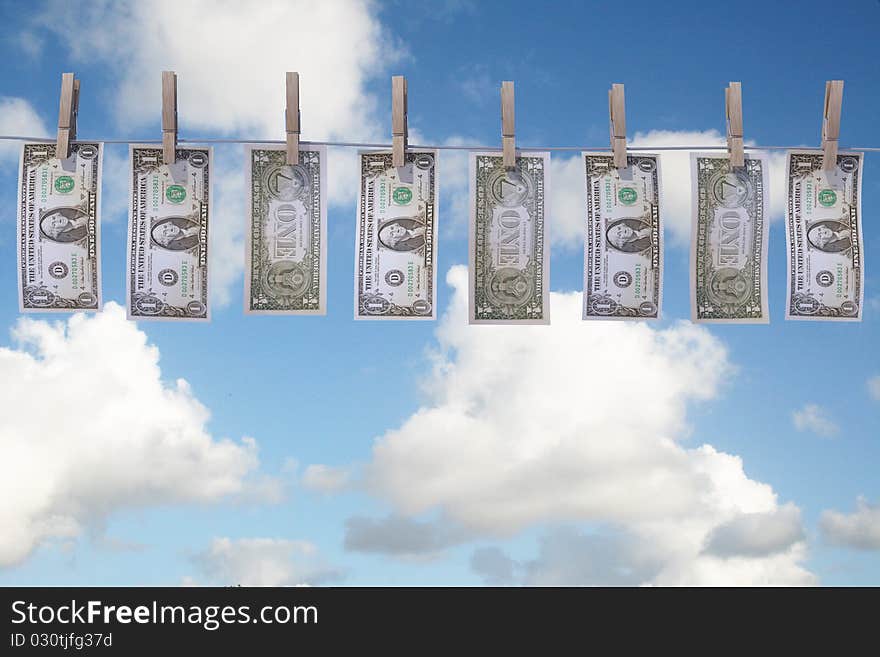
{"points": [[449, 496]]}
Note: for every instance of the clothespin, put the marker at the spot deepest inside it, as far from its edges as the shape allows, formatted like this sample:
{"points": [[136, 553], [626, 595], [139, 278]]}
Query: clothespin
{"points": [[67, 110], [169, 117], [617, 112], [399, 129], [291, 118], [508, 133], [734, 111], [831, 123]]}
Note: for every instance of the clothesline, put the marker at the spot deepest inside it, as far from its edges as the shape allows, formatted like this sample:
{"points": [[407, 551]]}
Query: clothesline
{"points": [[443, 147]]}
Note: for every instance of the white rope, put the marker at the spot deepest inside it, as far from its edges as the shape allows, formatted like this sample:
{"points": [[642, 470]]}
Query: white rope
{"points": [[496, 147]]}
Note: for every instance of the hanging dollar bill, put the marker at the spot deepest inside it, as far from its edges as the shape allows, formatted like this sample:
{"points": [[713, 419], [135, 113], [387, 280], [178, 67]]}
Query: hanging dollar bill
{"points": [[826, 269], [510, 271], [168, 234], [287, 232], [59, 251], [396, 253], [623, 256], [729, 239]]}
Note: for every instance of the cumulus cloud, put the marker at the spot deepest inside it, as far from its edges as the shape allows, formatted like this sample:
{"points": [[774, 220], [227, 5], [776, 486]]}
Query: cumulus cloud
{"points": [[814, 418], [860, 529], [230, 58], [17, 118], [874, 387], [326, 478], [494, 566], [567, 557], [783, 569], [399, 536], [513, 397], [742, 550], [88, 427], [757, 534], [264, 562], [577, 421]]}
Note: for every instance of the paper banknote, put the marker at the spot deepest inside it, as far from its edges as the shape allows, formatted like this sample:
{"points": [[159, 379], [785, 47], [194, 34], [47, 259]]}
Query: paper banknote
{"points": [[729, 239], [286, 256], [509, 268], [168, 234], [623, 250], [396, 252], [59, 254], [826, 267]]}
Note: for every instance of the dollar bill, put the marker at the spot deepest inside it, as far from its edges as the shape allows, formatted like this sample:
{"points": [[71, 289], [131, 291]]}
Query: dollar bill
{"points": [[396, 254], [168, 234], [59, 209], [510, 271], [729, 239], [623, 254], [286, 257], [826, 267]]}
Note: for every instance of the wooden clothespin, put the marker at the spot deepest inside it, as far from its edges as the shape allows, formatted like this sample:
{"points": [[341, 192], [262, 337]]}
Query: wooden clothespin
{"points": [[734, 111], [292, 117], [67, 111], [831, 123], [399, 128], [169, 117], [508, 132], [617, 112]]}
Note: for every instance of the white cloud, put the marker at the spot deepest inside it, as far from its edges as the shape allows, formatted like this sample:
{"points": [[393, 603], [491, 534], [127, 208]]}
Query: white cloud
{"points": [[326, 478], [782, 569], [757, 534], [860, 529], [400, 536], [569, 558], [494, 566], [577, 422], [230, 58], [874, 387], [263, 562], [88, 427], [753, 548], [17, 118], [814, 418]]}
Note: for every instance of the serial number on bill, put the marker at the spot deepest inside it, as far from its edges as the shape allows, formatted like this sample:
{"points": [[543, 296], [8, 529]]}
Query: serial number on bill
{"points": [[64, 641]]}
